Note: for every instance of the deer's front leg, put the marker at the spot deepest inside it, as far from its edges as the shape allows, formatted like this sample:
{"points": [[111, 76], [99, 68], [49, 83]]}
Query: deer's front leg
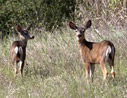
{"points": [[87, 71]]}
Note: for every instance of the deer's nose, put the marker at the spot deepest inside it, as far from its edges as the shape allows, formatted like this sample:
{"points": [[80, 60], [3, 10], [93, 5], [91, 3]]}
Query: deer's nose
{"points": [[32, 37], [79, 35]]}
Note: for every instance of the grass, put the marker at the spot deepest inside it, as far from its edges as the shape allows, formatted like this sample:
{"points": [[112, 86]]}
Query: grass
{"points": [[54, 69]]}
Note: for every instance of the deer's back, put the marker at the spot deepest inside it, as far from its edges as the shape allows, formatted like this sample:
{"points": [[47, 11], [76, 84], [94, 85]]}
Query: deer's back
{"points": [[18, 55], [93, 52]]}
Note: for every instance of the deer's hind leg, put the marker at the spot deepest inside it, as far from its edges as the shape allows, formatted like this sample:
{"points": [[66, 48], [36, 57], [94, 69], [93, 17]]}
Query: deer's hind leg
{"points": [[91, 71], [15, 66], [111, 64], [103, 67], [21, 67]]}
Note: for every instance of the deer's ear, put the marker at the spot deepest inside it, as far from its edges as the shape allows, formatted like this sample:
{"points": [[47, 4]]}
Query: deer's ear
{"points": [[72, 26], [28, 28], [19, 28], [88, 24]]}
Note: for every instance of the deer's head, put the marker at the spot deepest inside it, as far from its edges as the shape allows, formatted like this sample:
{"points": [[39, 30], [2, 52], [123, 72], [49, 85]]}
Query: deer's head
{"points": [[80, 30], [24, 33]]}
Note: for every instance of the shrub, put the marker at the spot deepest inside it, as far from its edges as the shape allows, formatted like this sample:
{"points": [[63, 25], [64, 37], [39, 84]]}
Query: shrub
{"points": [[47, 13]]}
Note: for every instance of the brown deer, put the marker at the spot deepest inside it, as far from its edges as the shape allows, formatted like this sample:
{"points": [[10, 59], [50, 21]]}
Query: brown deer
{"points": [[18, 49], [94, 53]]}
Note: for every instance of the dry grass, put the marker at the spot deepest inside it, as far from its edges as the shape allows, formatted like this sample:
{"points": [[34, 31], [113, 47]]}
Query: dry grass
{"points": [[53, 68]]}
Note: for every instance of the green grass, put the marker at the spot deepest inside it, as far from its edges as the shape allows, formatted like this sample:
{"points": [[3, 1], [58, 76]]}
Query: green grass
{"points": [[54, 69]]}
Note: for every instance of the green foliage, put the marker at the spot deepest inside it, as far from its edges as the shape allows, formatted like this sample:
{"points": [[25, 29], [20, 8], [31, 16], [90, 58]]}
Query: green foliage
{"points": [[47, 13], [57, 11], [51, 14]]}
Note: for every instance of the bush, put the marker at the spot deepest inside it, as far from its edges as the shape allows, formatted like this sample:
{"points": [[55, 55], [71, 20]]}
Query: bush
{"points": [[47, 13]]}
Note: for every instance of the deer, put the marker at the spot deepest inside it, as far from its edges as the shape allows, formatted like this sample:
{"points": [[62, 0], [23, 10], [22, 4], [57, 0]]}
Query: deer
{"points": [[18, 49], [94, 53]]}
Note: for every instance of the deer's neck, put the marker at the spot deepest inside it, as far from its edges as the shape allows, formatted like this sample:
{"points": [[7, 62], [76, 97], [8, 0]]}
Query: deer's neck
{"points": [[24, 41], [82, 41]]}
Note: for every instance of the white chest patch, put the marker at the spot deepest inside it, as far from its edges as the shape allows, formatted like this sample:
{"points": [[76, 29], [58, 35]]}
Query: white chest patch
{"points": [[77, 38]]}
